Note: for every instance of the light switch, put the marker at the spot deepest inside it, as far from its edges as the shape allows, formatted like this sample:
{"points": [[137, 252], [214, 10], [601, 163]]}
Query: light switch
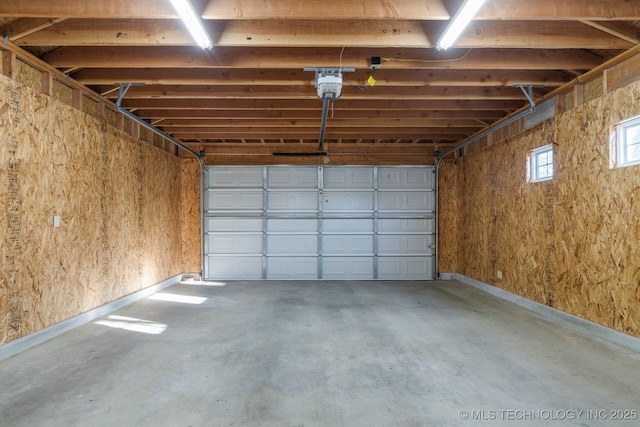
{"points": [[56, 221]]}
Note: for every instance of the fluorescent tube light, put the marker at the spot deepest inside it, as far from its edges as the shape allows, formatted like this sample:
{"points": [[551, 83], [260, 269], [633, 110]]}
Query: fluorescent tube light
{"points": [[193, 23], [460, 21]]}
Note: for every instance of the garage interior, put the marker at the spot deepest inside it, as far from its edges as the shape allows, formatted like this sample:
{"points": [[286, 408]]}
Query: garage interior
{"points": [[223, 237]]}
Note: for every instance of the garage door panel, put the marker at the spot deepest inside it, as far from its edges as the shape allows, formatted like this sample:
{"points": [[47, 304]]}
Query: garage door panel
{"points": [[405, 178], [292, 201], [234, 201], [347, 244], [405, 201], [292, 177], [347, 201], [405, 267], [235, 267], [236, 177], [348, 268], [348, 178], [235, 224], [296, 225], [292, 268], [219, 243], [402, 225], [347, 225], [405, 244], [292, 244]]}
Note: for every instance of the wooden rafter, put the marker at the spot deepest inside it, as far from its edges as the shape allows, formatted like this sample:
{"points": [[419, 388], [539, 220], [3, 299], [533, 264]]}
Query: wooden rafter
{"points": [[251, 91]]}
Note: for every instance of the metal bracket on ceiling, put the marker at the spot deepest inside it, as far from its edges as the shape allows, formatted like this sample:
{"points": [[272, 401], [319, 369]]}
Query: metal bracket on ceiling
{"points": [[124, 87], [329, 70], [527, 90]]}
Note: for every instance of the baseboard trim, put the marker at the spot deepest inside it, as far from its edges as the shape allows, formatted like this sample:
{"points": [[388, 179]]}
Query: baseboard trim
{"points": [[550, 313], [25, 343]]}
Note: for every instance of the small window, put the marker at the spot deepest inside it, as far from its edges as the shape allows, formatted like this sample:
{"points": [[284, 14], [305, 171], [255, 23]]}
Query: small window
{"points": [[540, 164], [625, 144]]}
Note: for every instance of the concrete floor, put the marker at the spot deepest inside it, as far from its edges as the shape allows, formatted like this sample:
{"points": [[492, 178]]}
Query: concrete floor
{"points": [[322, 354]]}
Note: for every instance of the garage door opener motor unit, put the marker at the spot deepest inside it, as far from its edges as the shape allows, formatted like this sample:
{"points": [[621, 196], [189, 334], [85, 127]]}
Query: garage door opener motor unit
{"points": [[329, 87]]}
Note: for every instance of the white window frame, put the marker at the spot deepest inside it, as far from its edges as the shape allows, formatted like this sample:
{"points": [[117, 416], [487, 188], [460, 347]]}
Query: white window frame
{"points": [[534, 166], [620, 143]]}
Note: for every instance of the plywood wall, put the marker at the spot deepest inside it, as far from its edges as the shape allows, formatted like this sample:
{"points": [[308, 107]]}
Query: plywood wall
{"points": [[572, 243], [449, 210], [191, 227], [118, 200]]}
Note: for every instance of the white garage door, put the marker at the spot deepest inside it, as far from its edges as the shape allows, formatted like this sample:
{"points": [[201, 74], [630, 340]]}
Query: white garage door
{"points": [[319, 222]]}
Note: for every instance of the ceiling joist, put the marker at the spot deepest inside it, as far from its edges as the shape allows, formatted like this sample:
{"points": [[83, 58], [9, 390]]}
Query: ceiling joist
{"points": [[250, 90]]}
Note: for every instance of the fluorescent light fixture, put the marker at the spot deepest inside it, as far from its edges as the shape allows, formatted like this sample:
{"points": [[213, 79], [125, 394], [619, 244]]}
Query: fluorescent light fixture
{"points": [[460, 21], [193, 23]]}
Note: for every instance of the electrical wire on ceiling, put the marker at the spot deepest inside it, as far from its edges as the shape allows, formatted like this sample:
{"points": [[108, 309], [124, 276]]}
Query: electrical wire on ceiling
{"points": [[428, 60], [362, 86]]}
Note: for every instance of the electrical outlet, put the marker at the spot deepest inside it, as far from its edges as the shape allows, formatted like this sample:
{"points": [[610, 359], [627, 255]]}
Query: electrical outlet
{"points": [[375, 62], [499, 274]]}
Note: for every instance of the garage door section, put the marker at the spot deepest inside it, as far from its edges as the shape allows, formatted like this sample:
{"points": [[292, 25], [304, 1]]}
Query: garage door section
{"points": [[406, 205], [348, 226], [310, 222], [234, 242], [292, 219]]}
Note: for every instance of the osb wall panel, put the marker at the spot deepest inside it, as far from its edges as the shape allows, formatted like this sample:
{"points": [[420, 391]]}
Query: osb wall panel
{"points": [[118, 200], [520, 213], [597, 216], [28, 75], [571, 243], [594, 89], [449, 216], [191, 242]]}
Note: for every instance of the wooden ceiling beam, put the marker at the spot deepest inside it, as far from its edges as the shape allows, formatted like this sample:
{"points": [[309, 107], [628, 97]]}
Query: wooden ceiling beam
{"points": [[230, 9], [327, 9], [302, 92], [24, 27], [199, 114], [298, 58], [96, 9], [289, 33], [537, 35], [175, 124], [310, 132], [326, 33], [293, 77], [620, 30], [310, 146], [621, 10], [316, 105]]}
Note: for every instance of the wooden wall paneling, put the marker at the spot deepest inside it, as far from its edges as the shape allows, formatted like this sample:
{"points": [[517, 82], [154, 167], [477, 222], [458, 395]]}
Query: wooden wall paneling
{"points": [[450, 216], [594, 89], [583, 222], [521, 241], [60, 161], [62, 93], [572, 242], [28, 75], [190, 192], [613, 295], [477, 216]]}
